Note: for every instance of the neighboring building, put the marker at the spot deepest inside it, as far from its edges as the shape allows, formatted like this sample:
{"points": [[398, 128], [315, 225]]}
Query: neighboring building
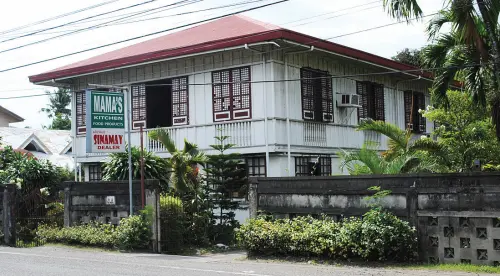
{"points": [[231, 74], [8, 117], [53, 145]]}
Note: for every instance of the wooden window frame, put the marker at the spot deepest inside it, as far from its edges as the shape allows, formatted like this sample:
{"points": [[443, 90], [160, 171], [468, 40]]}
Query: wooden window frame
{"points": [[138, 106], [226, 91], [316, 95], [254, 164], [372, 101], [303, 165], [81, 112], [180, 101], [95, 172], [413, 101]]}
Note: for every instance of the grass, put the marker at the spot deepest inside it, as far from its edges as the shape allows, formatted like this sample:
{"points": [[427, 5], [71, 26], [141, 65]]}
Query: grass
{"points": [[455, 267]]}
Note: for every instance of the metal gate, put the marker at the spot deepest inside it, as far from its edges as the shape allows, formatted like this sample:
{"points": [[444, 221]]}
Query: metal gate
{"points": [[33, 208]]}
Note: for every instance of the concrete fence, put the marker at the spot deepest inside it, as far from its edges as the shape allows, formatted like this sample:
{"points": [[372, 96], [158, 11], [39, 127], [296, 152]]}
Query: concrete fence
{"points": [[457, 216], [7, 216], [108, 202]]}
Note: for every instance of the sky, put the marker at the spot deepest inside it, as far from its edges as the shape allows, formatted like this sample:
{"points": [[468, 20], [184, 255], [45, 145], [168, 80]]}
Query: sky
{"points": [[319, 18]]}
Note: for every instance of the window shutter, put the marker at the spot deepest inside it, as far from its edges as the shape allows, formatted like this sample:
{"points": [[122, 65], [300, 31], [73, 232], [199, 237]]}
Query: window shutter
{"points": [[362, 91], [422, 123], [327, 98], [81, 112], [379, 102], [138, 106], [221, 96], [307, 91], [408, 100], [180, 101], [241, 96]]}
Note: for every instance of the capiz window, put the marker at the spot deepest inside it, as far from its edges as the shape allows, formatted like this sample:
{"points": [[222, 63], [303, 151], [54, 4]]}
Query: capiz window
{"points": [[80, 112], [317, 95], [232, 94], [95, 172]]}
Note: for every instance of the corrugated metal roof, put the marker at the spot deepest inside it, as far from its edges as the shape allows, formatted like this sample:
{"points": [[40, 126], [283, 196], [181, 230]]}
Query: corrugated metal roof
{"points": [[230, 31]]}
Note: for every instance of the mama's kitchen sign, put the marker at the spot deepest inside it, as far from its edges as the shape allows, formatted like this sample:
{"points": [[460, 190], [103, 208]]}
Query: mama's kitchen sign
{"points": [[105, 122]]}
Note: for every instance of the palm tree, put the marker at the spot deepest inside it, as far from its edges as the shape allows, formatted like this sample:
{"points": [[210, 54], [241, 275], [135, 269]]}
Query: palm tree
{"points": [[471, 49], [401, 142], [182, 163], [368, 161]]}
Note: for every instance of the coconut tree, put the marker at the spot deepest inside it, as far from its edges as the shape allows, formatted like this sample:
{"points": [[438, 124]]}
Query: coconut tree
{"points": [[183, 163], [470, 49]]}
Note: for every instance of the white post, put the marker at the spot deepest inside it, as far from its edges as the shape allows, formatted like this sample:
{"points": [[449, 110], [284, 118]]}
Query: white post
{"points": [[289, 158], [265, 111], [128, 95]]}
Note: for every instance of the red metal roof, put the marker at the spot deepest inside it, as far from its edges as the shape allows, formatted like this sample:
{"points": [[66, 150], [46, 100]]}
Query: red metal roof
{"points": [[230, 31]]}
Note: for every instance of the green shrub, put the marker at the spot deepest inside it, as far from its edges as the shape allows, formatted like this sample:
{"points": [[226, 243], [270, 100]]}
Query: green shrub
{"points": [[172, 223], [134, 232], [378, 236]]}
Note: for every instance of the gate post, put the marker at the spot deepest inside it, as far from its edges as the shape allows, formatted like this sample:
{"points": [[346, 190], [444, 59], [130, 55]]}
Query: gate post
{"points": [[67, 205], [253, 198], [9, 217], [153, 200]]}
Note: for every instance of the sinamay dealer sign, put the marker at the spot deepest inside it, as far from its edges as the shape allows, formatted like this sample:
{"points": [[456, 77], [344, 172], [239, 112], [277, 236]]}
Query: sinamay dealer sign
{"points": [[105, 122]]}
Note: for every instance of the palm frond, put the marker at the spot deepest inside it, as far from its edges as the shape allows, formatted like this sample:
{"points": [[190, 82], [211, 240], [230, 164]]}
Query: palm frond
{"points": [[162, 136], [403, 9], [397, 136], [437, 22]]}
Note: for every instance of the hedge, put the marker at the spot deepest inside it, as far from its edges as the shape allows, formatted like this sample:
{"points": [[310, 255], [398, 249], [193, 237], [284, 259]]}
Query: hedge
{"points": [[378, 236]]}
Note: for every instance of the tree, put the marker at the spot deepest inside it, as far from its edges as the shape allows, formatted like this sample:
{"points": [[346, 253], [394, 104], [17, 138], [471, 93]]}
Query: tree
{"points": [[58, 109], [473, 44], [154, 167], [411, 57], [225, 176], [183, 163], [466, 131]]}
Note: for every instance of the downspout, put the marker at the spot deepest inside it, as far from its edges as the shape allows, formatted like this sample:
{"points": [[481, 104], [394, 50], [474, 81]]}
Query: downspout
{"points": [[287, 108]]}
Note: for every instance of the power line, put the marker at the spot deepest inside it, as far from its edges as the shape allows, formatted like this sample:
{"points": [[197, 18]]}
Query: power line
{"points": [[335, 16], [57, 17], [142, 36], [290, 80], [175, 5], [79, 20]]}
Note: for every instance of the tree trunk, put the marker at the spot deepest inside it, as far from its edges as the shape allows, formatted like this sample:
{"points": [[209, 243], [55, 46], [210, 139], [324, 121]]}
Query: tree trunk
{"points": [[495, 49]]}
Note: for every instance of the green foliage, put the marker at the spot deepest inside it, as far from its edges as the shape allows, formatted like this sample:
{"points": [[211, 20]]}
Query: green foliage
{"points": [[173, 222], [58, 109], [375, 199], [225, 179], [379, 236], [183, 163], [465, 131], [133, 232], [154, 167], [411, 57]]}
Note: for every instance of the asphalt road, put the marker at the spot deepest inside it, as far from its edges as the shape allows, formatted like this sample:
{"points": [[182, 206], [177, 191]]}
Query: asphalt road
{"points": [[55, 261]]}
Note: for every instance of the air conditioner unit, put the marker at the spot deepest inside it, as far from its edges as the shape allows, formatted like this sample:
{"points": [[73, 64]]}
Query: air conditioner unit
{"points": [[348, 100], [421, 128]]}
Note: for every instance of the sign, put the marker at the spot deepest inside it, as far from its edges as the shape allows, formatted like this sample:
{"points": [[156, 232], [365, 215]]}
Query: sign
{"points": [[105, 122], [110, 200]]}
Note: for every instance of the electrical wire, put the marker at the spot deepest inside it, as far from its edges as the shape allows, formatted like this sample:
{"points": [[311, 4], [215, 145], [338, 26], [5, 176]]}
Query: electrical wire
{"points": [[170, 6], [142, 36], [79, 20], [291, 80], [57, 17]]}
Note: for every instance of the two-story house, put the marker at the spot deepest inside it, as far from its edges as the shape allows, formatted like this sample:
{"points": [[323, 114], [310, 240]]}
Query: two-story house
{"points": [[285, 98]]}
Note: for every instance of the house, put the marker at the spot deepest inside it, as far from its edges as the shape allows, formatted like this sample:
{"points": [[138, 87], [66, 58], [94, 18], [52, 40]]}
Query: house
{"points": [[52, 145], [285, 98], [8, 117]]}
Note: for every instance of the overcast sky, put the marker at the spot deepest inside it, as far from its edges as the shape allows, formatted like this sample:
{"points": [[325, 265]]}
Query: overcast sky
{"points": [[368, 14]]}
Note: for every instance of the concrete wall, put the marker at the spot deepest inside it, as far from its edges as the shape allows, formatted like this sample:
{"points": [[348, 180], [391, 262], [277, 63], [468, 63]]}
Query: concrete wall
{"points": [[457, 215], [7, 214]]}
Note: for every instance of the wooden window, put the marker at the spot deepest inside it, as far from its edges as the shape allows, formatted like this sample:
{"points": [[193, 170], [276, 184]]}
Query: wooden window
{"points": [[232, 94], [313, 166], [413, 101], [372, 101], [80, 112], [180, 101], [317, 95], [256, 166], [95, 172], [138, 106]]}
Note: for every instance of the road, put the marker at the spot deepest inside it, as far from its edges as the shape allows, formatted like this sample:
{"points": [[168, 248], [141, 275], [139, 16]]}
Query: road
{"points": [[56, 260]]}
